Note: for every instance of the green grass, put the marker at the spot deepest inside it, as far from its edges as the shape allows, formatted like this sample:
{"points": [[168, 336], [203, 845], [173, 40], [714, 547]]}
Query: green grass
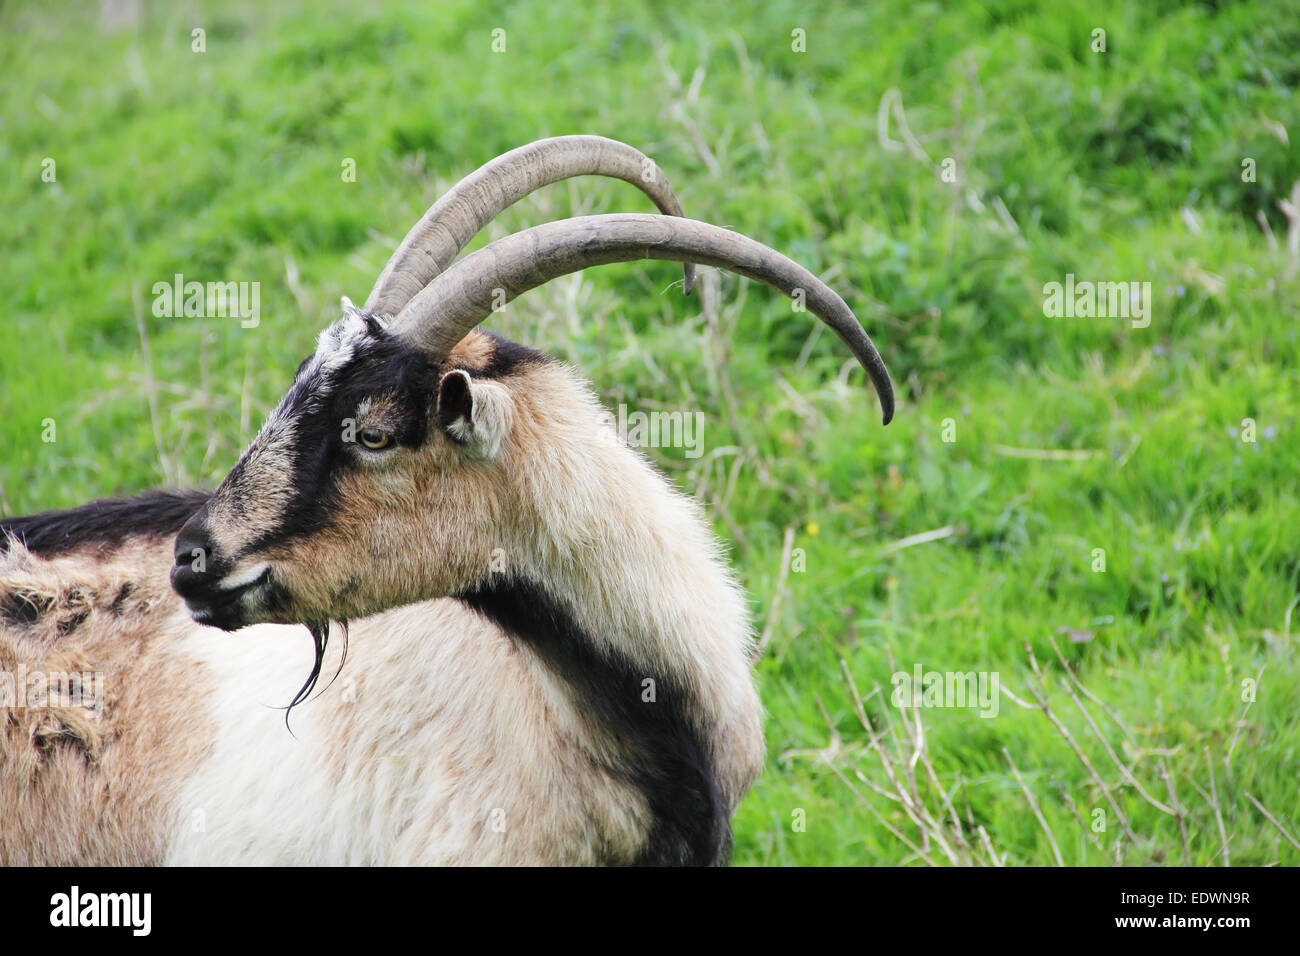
{"points": [[1123, 165]]}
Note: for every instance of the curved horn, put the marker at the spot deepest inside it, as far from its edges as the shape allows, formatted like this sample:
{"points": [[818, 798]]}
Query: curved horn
{"points": [[463, 296], [472, 203]]}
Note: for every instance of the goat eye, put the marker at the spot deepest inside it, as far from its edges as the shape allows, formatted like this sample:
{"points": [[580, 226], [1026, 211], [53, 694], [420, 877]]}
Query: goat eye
{"points": [[374, 439]]}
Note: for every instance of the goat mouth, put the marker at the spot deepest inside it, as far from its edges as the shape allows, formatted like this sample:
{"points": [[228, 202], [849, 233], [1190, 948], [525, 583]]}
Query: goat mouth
{"points": [[228, 610]]}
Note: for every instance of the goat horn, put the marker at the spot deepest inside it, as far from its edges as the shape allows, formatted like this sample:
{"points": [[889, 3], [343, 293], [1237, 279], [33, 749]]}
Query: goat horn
{"points": [[472, 203], [460, 298]]}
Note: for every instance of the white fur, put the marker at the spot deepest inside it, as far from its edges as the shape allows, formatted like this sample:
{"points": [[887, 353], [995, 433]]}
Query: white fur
{"points": [[431, 727], [237, 579]]}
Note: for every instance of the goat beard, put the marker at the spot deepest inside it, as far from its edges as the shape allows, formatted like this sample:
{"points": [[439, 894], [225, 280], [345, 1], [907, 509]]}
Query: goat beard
{"points": [[320, 636]]}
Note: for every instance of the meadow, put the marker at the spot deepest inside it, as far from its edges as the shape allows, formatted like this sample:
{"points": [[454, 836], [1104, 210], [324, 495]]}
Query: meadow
{"points": [[1100, 511]]}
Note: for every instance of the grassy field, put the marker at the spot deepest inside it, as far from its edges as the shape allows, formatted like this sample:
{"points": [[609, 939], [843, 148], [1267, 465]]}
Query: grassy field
{"points": [[966, 536]]}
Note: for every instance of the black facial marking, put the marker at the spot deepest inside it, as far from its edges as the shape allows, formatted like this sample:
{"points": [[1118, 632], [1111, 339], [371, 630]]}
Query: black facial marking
{"points": [[104, 525], [319, 404], [664, 754], [384, 367]]}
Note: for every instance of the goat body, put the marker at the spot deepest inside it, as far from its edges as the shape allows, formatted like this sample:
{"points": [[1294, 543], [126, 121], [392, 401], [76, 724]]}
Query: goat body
{"points": [[493, 727]]}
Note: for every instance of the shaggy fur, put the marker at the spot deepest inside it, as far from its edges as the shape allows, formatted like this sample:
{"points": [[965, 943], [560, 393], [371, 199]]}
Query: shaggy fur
{"points": [[94, 781]]}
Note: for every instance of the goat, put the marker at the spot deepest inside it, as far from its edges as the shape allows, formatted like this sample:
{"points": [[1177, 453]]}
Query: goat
{"points": [[548, 660]]}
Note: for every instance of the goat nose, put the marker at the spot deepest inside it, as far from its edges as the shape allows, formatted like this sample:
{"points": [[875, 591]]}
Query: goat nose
{"points": [[197, 569], [192, 544]]}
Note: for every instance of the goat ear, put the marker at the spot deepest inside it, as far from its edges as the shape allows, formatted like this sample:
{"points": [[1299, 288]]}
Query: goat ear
{"points": [[455, 400], [473, 414]]}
